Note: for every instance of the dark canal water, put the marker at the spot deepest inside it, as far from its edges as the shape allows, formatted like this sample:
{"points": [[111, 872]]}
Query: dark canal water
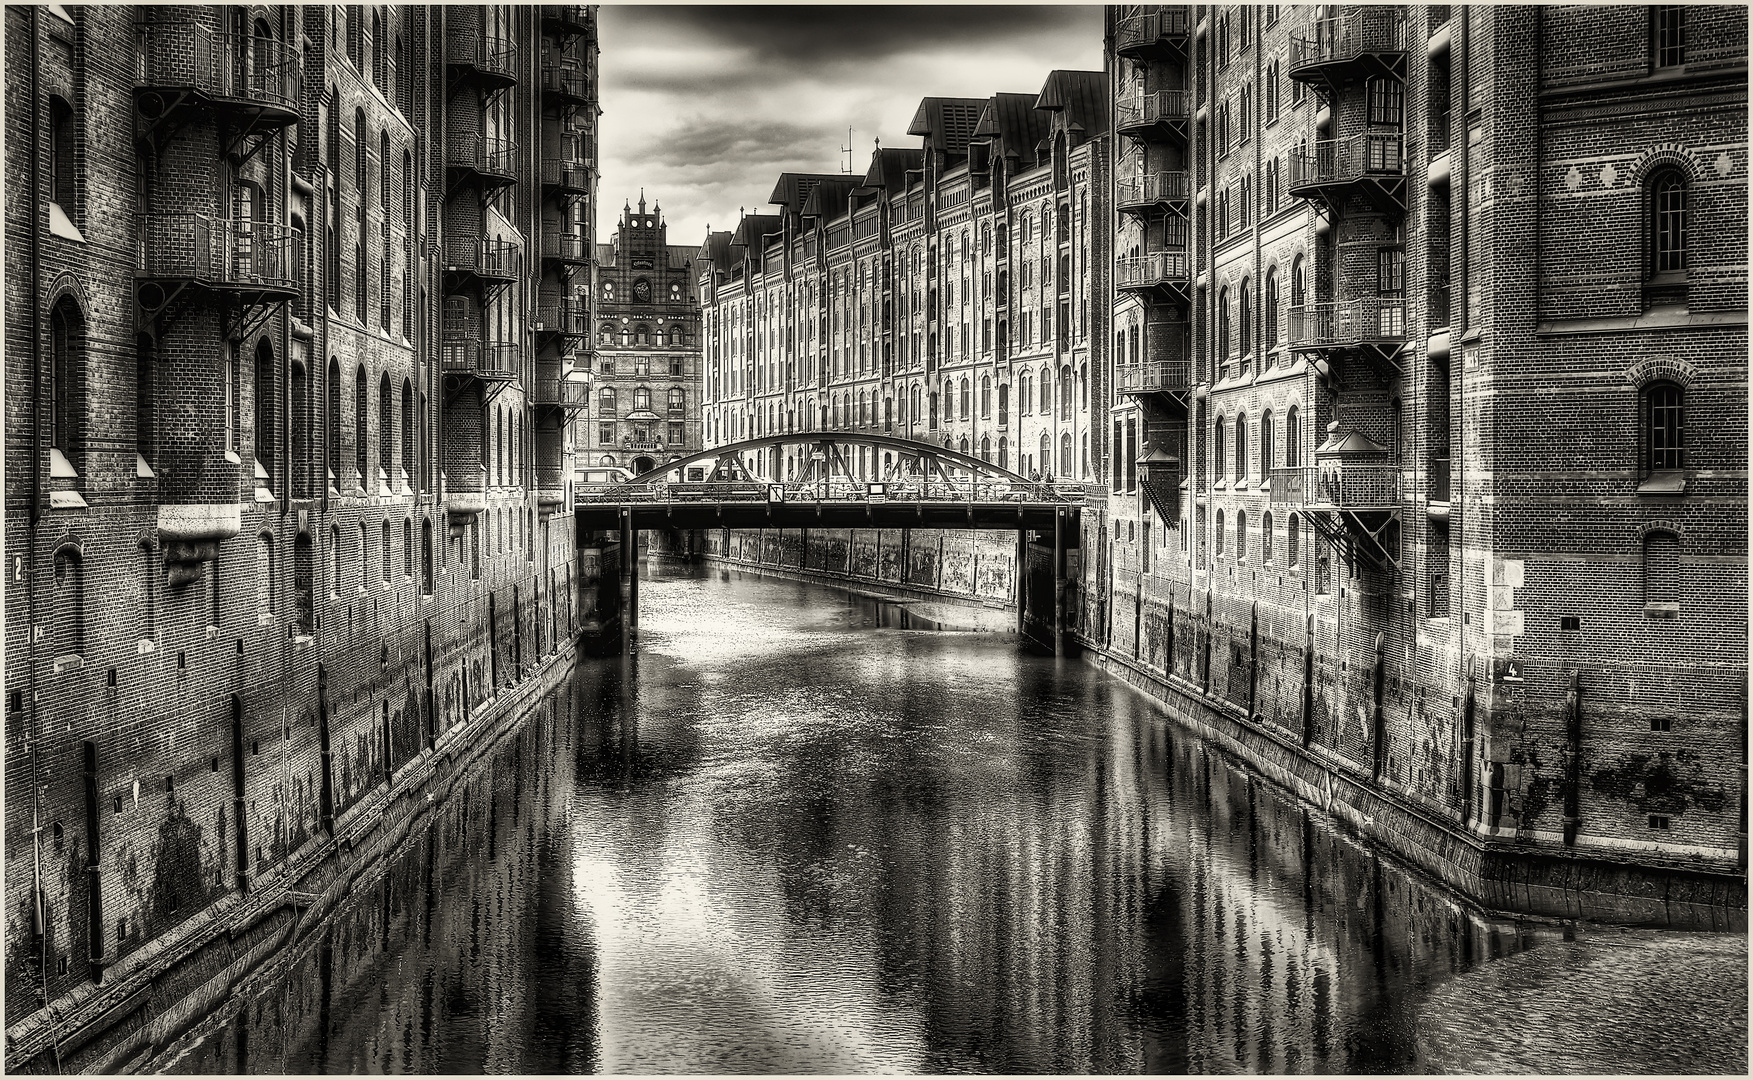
{"points": [[806, 832]]}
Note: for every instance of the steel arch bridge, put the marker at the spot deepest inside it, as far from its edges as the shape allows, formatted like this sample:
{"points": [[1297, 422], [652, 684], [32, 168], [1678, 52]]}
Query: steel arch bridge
{"points": [[914, 484]]}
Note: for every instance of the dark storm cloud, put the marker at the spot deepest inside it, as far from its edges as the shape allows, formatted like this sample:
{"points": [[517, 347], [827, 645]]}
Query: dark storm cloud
{"points": [[829, 34], [709, 141], [703, 107]]}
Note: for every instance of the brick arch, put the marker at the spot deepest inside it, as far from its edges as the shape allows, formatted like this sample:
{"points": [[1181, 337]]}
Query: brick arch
{"points": [[1661, 368], [1661, 525], [147, 538], [1667, 155], [67, 284], [67, 541]]}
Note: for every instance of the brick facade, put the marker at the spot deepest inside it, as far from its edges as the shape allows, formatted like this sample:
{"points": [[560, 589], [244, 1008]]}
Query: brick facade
{"points": [[1443, 221], [235, 628]]}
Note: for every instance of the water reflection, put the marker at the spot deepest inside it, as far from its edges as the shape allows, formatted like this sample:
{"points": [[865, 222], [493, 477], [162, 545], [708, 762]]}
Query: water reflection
{"points": [[795, 834]]}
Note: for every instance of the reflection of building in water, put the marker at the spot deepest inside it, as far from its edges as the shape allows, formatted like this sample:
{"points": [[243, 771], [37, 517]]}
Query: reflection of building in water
{"points": [[435, 962]]}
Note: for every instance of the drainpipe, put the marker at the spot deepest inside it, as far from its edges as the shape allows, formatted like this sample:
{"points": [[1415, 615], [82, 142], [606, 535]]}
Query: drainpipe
{"points": [[1467, 708]]}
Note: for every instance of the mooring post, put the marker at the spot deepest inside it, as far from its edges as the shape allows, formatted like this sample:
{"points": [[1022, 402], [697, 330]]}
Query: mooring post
{"points": [[1059, 581]]}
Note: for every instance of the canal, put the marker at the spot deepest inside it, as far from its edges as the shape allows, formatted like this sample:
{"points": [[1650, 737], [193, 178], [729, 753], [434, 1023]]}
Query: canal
{"points": [[802, 831]]}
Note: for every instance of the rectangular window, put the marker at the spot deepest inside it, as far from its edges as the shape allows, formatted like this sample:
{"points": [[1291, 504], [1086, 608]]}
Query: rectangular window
{"points": [[675, 434], [606, 434], [1670, 44], [1387, 101], [1391, 272]]}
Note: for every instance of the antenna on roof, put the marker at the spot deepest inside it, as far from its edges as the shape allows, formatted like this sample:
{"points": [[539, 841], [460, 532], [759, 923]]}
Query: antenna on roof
{"points": [[847, 150]]}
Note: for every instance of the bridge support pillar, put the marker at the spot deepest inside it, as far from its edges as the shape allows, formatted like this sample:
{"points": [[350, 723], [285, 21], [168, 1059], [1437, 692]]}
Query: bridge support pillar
{"points": [[629, 574], [1022, 582], [1059, 581]]}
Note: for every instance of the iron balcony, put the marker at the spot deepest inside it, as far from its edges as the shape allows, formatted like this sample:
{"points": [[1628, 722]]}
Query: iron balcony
{"points": [[567, 83], [489, 61], [495, 260], [1369, 39], [1349, 485], [1346, 324], [465, 354], [1155, 377], [237, 69], [219, 253], [492, 161], [568, 18], [1142, 115], [557, 390], [1159, 269], [1153, 191], [1152, 28], [566, 318], [1340, 163], [565, 248], [566, 176]]}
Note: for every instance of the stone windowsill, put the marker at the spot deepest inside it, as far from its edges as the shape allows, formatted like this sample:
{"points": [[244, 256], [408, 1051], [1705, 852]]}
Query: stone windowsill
{"points": [[1670, 610]]}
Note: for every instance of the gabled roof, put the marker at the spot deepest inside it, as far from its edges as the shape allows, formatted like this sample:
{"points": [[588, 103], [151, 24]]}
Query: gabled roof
{"points": [[715, 252], [793, 189], [828, 198], [1013, 122], [1080, 95], [680, 255], [889, 167], [947, 123], [753, 229]]}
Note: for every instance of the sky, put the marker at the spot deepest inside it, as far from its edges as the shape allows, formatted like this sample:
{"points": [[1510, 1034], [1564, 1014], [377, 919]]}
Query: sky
{"points": [[704, 107]]}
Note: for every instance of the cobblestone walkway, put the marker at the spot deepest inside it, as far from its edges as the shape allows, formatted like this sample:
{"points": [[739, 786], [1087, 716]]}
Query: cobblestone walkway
{"points": [[1633, 1001]]}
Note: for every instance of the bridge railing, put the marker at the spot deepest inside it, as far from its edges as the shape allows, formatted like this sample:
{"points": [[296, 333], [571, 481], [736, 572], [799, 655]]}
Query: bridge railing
{"points": [[908, 490]]}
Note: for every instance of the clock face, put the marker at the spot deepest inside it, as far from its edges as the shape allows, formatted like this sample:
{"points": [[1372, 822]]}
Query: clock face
{"points": [[642, 289]]}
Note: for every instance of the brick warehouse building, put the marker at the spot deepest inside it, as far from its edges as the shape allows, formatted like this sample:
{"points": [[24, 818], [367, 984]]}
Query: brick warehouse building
{"points": [[298, 293], [947, 295], [1429, 430], [647, 384]]}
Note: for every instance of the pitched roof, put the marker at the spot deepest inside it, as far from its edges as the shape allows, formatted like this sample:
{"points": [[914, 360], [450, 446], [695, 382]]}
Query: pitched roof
{"points": [[716, 251], [828, 198], [1013, 121], [793, 189], [889, 166], [947, 123], [1081, 95], [754, 228]]}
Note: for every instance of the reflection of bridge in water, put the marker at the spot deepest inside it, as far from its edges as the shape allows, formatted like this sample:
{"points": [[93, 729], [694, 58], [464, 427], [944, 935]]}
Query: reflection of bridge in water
{"points": [[848, 480]]}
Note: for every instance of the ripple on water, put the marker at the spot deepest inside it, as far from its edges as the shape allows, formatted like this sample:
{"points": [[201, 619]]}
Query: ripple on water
{"points": [[1643, 1001]]}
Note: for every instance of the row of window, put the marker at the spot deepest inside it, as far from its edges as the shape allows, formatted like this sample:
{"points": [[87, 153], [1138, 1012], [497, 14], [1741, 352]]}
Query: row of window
{"points": [[1221, 459], [643, 433]]}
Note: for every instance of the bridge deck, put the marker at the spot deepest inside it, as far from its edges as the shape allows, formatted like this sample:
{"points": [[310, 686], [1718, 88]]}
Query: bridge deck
{"points": [[737, 514]]}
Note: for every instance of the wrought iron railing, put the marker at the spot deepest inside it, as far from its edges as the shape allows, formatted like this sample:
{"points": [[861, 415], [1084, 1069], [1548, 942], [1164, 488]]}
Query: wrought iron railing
{"points": [[1344, 161], [565, 247], [1156, 268], [1171, 376], [1346, 37], [566, 173], [219, 251], [1158, 106], [567, 80], [492, 55], [486, 257], [1151, 24], [482, 154], [575, 17], [1157, 187], [1347, 485], [241, 67], [570, 317], [1346, 322], [462, 354], [560, 390], [835, 490]]}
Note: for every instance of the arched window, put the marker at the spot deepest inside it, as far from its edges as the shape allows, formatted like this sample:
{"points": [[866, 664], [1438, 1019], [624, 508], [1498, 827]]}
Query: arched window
{"points": [[66, 374], [1244, 324], [1664, 427], [408, 547], [67, 626], [386, 429], [1046, 390], [1223, 323], [985, 448], [1046, 455], [1266, 447], [985, 397], [426, 576], [361, 441], [265, 574], [1003, 452], [676, 402], [63, 174], [1266, 538], [967, 397], [1065, 393], [263, 430], [1661, 572], [1667, 229], [407, 425], [383, 551], [931, 405], [1241, 448], [1270, 316], [360, 162], [1003, 405], [1218, 448], [1241, 536], [1293, 440], [963, 445], [1292, 535], [1024, 401], [1217, 535], [1298, 295], [1065, 468]]}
